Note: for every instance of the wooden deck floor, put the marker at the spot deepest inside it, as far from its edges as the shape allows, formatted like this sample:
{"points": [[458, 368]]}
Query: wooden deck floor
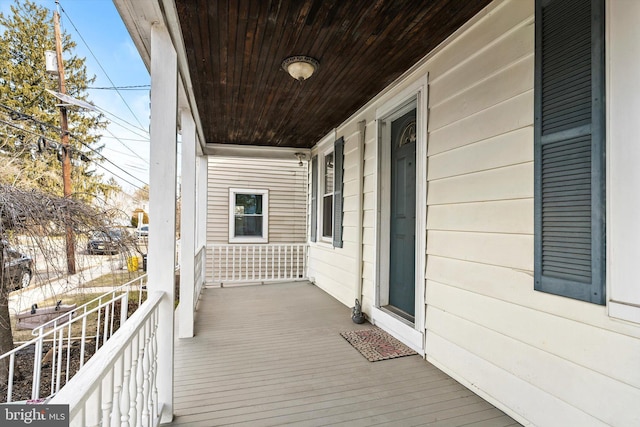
{"points": [[272, 355]]}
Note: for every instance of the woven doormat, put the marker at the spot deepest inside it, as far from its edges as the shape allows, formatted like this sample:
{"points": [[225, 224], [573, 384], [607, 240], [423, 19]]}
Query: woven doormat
{"points": [[375, 344]]}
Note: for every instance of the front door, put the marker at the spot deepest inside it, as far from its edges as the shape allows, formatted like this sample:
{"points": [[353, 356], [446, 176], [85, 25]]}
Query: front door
{"points": [[402, 242]]}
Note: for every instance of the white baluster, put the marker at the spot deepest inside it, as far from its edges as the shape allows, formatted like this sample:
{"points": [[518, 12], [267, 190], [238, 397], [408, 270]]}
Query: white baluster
{"points": [[118, 378], [246, 263], [125, 395], [133, 380], [279, 261], [59, 370], [83, 337], [146, 366], [260, 275], [140, 373], [153, 402], [272, 259], [107, 398], [285, 261]]}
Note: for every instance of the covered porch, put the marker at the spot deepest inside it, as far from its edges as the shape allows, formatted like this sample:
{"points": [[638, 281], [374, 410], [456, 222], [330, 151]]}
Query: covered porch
{"points": [[464, 76], [273, 355]]}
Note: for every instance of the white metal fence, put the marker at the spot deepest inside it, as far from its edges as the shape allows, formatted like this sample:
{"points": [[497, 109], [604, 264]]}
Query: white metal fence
{"points": [[67, 339], [119, 385], [259, 263]]}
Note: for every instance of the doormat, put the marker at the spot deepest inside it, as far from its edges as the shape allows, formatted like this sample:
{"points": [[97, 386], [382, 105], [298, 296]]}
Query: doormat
{"points": [[375, 344]]}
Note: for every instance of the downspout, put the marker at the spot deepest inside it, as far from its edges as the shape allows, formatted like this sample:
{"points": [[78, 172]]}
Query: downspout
{"points": [[362, 128]]}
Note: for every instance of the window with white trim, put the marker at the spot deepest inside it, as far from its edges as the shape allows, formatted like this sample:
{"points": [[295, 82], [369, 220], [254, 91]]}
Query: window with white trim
{"points": [[327, 173], [328, 176], [248, 215]]}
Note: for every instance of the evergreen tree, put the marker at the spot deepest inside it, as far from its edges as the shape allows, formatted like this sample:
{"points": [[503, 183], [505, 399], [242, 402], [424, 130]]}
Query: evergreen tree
{"points": [[31, 111]]}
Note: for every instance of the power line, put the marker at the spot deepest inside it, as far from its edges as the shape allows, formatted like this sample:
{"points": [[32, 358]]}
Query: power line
{"points": [[95, 163], [100, 65], [26, 116], [107, 160], [125, 139], [127, 147], [133, 87], [102, 110], [119, 177], [19, 115]]}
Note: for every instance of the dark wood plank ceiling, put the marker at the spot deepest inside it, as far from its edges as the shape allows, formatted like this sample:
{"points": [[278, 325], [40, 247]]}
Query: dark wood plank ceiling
{"points": [[235, 50]]}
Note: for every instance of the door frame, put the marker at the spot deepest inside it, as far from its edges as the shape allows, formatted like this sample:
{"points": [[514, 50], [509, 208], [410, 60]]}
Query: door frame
{"points": [[413, 96]]}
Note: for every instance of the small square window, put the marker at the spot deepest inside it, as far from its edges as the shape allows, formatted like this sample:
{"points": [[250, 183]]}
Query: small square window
{"points": [[248, 216]]}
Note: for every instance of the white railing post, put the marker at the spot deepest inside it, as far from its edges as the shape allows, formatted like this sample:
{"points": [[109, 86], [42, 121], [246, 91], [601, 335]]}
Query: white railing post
{"points": [[37, 364], [124, 308], [12, 361]]}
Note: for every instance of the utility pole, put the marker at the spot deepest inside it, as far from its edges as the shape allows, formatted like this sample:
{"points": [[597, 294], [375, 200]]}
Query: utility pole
{"points": [[64, 139]]}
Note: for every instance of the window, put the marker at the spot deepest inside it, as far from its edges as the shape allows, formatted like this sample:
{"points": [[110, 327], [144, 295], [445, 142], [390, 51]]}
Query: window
{"points": [[248, 216], [569, 149], [326, 195]]}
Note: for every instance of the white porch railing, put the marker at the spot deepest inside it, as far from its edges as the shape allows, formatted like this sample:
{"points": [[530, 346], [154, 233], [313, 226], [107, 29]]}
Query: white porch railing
{"points": [[118, 385], [199, 274], [248, 263], [67, 331]]}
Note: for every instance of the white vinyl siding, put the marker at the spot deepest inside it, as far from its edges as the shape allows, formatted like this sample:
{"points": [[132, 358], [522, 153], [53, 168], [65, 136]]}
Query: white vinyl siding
{"points": [[333, 268], [286, 183], [545, 359]]}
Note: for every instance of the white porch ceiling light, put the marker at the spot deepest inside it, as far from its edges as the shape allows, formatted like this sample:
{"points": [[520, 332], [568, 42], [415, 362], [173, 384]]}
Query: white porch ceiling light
{"points": [[300, 67], [301, 157]]}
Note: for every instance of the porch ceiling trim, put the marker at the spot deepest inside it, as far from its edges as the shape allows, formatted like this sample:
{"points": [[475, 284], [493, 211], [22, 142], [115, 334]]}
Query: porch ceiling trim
{"points": [[138, 16], [255, 151]]}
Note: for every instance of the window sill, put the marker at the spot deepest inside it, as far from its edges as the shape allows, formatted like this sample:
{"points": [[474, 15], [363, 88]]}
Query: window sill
{"points": [[622, 311], [248, 240], [328, 244]]}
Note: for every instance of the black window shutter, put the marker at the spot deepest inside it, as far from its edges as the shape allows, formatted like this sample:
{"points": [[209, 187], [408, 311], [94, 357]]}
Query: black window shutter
{"points": [[338, 159], [314, 199], [569, 152]]}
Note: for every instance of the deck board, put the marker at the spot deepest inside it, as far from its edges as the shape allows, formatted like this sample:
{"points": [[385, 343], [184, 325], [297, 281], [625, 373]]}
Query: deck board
{"points": [[273, 355]]}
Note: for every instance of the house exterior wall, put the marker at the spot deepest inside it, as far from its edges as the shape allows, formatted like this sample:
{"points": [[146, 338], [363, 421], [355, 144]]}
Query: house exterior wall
{"points": [[287, 185], [286, 181], [545, 359]]}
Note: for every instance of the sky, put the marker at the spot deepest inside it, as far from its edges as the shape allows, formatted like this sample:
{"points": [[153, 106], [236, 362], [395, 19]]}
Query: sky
{"points": [[118, 63]]}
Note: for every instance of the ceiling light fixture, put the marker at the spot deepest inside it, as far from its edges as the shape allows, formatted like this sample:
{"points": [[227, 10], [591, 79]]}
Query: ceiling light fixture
{"points": [[300, 67], [301, 157]]}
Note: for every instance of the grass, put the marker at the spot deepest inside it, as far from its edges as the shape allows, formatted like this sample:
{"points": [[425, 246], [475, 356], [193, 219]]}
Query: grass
{"points": [[113, 279]]}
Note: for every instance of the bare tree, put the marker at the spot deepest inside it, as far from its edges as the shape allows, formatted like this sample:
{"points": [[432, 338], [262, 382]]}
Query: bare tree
{"points": [[34, 216]]}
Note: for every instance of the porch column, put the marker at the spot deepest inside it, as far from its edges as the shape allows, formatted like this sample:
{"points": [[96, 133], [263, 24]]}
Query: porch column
{"points": [[187, 226], [162, 203]]}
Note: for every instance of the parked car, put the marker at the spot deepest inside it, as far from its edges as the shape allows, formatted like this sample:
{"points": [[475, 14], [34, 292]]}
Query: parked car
{"points": [[106, 242], [143, 231], [18, 268]]}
